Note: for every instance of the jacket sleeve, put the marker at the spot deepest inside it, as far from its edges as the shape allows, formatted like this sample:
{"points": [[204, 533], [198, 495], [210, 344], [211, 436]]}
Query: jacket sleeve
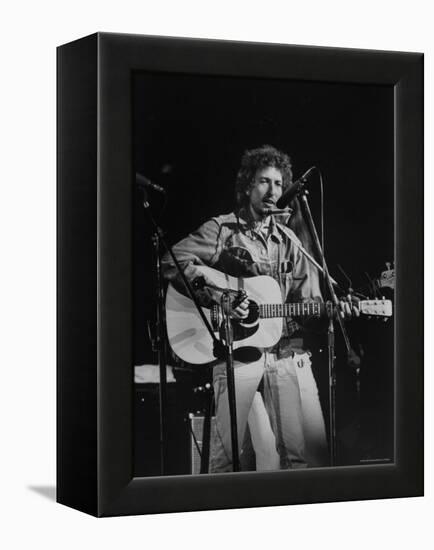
{"points": [[202, 247]]}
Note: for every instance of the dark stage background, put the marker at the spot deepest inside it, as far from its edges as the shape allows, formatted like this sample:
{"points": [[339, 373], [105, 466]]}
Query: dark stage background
{"points": [[189, 133]]}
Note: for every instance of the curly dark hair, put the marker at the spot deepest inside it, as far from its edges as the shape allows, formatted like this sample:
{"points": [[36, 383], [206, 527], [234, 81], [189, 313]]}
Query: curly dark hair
{"points": [[256, 159]]}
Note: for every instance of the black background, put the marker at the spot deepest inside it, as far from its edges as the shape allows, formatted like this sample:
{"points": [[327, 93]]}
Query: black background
{"points": [[189, 134]]}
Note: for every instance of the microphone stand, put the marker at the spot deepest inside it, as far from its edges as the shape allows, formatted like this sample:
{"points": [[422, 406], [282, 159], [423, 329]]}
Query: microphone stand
{"points": [[330, 332], [227, 337], [159, 343], [228, 342], [220, 349], [161, 350]]}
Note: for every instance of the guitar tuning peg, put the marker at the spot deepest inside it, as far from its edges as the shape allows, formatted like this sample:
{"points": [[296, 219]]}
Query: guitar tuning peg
{"points": [[388, 265]]}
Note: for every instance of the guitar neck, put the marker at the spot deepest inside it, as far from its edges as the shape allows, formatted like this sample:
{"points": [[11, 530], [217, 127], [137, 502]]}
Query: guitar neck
{"points": [[300, 309]]}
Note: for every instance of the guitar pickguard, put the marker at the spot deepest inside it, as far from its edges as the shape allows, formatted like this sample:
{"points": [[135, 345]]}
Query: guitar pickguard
{"points": [[240, 332]]}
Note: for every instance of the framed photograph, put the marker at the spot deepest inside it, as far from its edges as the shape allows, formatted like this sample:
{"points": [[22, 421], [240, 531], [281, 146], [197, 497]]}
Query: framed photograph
{"points": [[239, 226]]}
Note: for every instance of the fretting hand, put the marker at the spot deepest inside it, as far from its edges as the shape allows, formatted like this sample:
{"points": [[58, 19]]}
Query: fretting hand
{"points": [[349, 307]]}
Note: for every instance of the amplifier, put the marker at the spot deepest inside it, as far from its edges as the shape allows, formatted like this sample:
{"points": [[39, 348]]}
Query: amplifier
{"points": [[197, 436]]}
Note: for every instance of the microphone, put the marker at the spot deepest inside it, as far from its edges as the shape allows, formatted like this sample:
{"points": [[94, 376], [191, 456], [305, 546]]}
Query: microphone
{"points": [[143, 182], [295, 189], [277, 211]]}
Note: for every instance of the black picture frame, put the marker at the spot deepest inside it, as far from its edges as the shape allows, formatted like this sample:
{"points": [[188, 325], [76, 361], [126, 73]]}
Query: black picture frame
{"points": [[95, 299]]}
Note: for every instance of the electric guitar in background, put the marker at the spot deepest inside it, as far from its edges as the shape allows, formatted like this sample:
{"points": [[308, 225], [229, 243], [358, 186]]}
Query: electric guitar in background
{"points": [[191, 342], [387, 277]]}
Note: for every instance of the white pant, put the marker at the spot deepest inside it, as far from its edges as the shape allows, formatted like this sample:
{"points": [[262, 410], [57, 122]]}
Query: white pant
{"points": [[287, 427]]}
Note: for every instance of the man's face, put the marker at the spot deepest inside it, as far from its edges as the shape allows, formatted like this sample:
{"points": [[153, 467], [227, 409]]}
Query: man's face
{"points": [[265, 191]]}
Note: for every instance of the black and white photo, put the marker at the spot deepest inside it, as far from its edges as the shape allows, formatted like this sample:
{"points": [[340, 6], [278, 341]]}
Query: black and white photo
{"points": [[227, 162]]}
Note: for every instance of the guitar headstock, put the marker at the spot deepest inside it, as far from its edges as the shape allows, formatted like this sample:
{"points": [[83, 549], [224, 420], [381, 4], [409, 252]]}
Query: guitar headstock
{"points": [[376, 308], [387, 278]]}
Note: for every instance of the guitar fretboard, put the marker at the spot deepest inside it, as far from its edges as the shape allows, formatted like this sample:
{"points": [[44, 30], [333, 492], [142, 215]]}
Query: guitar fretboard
{"points": [[302, 309]]}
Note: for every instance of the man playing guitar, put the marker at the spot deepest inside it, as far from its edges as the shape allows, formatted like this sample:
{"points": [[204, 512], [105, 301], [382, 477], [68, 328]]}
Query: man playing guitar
{"points": [[283, 420]]}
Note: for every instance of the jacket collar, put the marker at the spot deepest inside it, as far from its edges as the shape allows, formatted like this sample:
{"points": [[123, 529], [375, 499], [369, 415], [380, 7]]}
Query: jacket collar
{"points": [[247, 223]]}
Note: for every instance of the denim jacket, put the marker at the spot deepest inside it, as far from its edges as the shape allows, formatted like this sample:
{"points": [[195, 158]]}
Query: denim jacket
{"points": [[233, 244]]}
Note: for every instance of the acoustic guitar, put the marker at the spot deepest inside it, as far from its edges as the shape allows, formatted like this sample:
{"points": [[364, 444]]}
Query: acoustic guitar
{"points": [[191, 342]]}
